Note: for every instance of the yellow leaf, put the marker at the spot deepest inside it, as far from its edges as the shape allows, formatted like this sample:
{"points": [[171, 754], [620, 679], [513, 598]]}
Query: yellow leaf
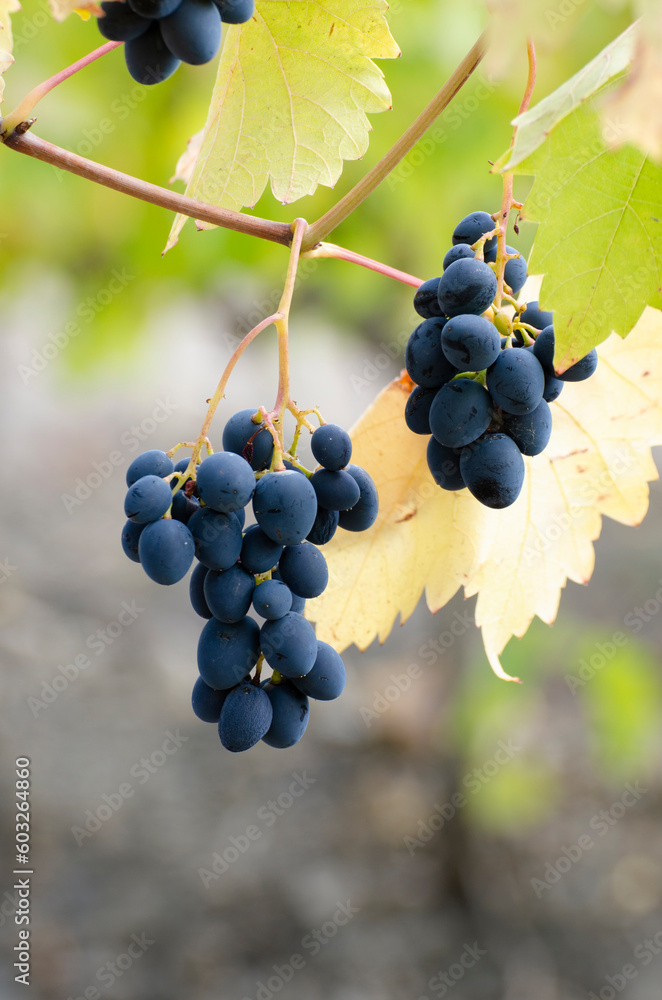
{"points": [[62, 8], [293, 89], [517, 560]]}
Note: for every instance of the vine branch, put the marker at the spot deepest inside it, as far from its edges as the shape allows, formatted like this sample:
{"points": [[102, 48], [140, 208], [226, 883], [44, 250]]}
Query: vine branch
{"points": [[344, 208], [32, 145]]}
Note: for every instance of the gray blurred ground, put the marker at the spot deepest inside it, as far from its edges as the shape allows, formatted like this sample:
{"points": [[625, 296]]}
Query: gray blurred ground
{"points": [[324, 874]]}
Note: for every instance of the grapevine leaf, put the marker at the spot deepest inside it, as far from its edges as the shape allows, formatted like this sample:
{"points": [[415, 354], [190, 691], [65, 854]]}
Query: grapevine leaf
{"points": [[599, 243], [7, 8], [60, 9], [289, 105], [534, 125], [637, 105], [598, 463]]}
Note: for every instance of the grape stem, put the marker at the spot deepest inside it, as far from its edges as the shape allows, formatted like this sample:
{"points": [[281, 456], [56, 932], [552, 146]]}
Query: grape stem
{"points": [[30, 101], [340, 253], [283, 399], [507, 203]]}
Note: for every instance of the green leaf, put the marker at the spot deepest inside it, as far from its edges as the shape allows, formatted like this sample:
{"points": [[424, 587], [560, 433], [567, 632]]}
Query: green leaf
{"points": [[599, 243], [534, 125], [290, 101]]}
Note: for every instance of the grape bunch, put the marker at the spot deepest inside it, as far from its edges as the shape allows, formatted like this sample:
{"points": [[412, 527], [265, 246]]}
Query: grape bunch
{"points": [[159, 35], [484, 381], [270, 568]]}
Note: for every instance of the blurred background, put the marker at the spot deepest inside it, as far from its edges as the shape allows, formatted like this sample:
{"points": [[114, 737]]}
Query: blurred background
{"points": [[436, 829]]}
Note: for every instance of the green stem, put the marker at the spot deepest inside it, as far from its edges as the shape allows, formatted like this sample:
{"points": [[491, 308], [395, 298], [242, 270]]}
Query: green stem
{"points": [[282, 324], [320, 230]]}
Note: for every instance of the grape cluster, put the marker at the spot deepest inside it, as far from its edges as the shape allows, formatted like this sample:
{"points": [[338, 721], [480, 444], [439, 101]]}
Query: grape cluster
{"points": [[271, 567], [159, 35], [482, 396]]}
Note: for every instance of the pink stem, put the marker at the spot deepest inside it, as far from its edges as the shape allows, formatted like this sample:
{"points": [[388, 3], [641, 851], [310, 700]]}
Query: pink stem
{"points": [[340, 253]]}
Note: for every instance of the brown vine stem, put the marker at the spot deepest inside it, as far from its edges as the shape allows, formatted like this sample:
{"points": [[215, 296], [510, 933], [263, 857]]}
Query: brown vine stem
{"points": [[344, 208], [340, 253], [507, 200], [32, 145]]}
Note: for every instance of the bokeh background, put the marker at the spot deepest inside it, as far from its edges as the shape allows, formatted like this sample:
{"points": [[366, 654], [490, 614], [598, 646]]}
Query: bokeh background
{"points": [[436, 830]]}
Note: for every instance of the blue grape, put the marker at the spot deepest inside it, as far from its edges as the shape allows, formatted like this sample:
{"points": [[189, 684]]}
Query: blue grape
{"points": [[290, 715], [472, 227], [582, 369], [225, 481], [467, 286], [493, 469], [530, 431], [245, 717], [166, 551], [326, 681], [120, 23], [289, 645], [193, 31], [150, 463], [154, 8], [515, 271], [458, 252], [426, 363], [516, 380], [461, 411], [543, 349], [259, 553], [272, 599], [244, 437], [444, 466], [303, 568], [206, 702], [285, 505], [227, 652], [196, 590], [324, 528], [471, 343], [131, 533], [364, 513], [229, 593], [184, 507], [236, 11], [417, 410], [536, 317], [217, 538], [426, 301], [335, 490], [553, 388], [148, 59], [147, 500], [331, 446], [298, 604]]}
